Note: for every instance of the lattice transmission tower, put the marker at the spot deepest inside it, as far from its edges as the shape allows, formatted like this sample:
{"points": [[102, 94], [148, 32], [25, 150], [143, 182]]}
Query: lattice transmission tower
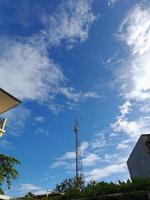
{"points": [[79, 165]]}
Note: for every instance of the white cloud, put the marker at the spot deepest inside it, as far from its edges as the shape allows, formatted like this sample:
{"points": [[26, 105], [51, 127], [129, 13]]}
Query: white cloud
{"points": [[122, 123], [39, 119], [84, 146], [56, 108], [30, 74], [25, 188], [42, 192], [90, 160], [69, 24], [125, 108], [135, 30], [6, 144], [99, 141], [41, 131], [71, 154], [64, 161], [99, 173], [111, 2], [68, 156], [145, 108], [115, 158], [71, 94], [116, 161], [134, 76], [17, 119], [133, 128], [68, 160], [60, 163], [122, 146], [111, 158]]}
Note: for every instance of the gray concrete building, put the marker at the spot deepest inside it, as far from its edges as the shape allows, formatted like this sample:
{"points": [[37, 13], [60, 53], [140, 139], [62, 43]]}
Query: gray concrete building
{"points": [[139, 159]]}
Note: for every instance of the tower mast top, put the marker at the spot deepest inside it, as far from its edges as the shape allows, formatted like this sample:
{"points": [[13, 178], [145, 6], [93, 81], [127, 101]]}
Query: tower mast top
{"points": [[76, 126]]}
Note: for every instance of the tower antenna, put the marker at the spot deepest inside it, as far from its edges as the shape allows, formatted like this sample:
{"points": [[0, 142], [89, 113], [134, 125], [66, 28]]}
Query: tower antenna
{"points": [[79, 166]]}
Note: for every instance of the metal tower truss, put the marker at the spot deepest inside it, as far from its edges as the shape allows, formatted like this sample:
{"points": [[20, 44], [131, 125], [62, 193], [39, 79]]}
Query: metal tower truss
{"points": [[79, 165]]}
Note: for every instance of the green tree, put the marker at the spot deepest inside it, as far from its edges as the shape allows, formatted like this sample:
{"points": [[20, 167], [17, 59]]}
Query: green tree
{"points": [[29, 195], [7, 170], [72, 187], [134, 189], [75, 183]]}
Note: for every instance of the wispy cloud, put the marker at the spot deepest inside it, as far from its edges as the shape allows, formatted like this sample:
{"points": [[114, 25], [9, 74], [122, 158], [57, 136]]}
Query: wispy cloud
{"points": [[99, 173], [69, 24], [68, 156], [28, 187], [145, 108], [41, 131], [17, 119], [112, 2], [125, 109], [39, 119], [25, 63], [122, 124], [90, 159], [99, 141], [61, 163], [134, 85], [56, 107], [84, 146], [133, 128], [29, 72], [135, 29], [134, 77], [123, 145], [109, 162], [71, 94], [6, 144], [67, 160]]}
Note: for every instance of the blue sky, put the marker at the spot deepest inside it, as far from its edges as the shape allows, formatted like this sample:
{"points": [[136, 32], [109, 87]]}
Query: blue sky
{"points": [[84, 59]]}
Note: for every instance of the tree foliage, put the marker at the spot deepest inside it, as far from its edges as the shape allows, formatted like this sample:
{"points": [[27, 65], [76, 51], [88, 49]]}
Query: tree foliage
{"points": [[72, 187], [7, 169], [29, 195], [131, 189], [70, 184]]}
